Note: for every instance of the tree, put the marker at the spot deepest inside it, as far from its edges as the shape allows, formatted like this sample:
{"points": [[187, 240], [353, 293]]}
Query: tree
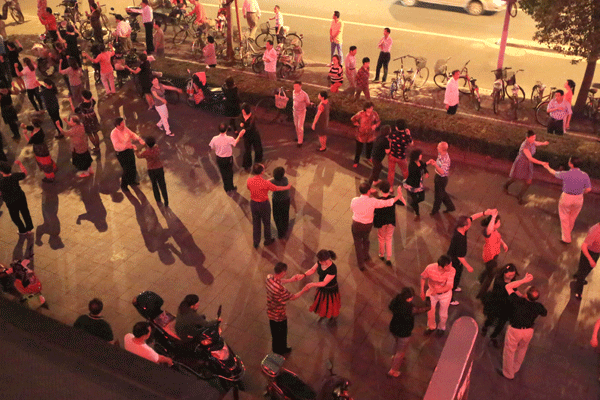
{"points": [[571, 27]]}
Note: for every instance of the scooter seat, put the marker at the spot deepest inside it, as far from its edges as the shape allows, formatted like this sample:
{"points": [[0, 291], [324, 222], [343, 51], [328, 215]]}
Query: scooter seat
{"points": [[593, 91], [293, 387]]}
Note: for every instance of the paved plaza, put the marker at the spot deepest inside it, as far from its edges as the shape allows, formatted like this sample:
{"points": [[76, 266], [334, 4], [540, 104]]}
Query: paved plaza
{"points": [[90, 240]]}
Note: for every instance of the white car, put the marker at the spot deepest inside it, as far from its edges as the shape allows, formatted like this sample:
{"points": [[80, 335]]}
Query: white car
{"points": [[473, 7]]}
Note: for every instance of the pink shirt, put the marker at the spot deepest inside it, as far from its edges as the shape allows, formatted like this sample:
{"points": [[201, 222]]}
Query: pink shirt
{"points": [[437, 279], [104, 60]]}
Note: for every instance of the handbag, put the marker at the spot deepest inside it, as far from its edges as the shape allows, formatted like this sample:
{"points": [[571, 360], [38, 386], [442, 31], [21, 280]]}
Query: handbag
{"points": [[281, 99]]}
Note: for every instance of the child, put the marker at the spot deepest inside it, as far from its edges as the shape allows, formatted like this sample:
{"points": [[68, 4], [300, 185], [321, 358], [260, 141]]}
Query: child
{"points": [[385, 222], [156, 173], [210, 55], [413, 184], [281, 203]]}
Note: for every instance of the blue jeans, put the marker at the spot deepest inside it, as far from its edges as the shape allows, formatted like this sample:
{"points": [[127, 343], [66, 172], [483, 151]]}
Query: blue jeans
{"points": [[338, 47]]}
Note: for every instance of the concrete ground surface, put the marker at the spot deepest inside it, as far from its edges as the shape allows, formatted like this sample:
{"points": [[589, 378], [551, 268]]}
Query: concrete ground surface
{"points": [[90, 240]]}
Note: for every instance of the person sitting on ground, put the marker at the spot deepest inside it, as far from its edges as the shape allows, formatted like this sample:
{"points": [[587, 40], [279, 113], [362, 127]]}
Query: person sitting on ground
{"points": [[189, 323], [94, 324], [136, 343]]}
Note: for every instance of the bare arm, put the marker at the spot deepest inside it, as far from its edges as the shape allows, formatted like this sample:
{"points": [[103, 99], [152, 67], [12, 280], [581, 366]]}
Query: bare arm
{"points": [[172, 88], [280, 188], [165, 360], [312, 270], [594, 341], [510, 287], [547, 166], [490, 227], [586, 253], [422, 288], [328, 278], [21, 167]]}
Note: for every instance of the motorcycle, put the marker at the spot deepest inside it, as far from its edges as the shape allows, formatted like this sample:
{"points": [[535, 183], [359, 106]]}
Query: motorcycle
{"points": [[286, 385], [208, 357], [199, 94], [23, 283]]}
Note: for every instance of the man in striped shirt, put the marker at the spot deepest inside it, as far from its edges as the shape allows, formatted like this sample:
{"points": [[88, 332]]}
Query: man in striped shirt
{"points": [[277, 297], [442, 168]]}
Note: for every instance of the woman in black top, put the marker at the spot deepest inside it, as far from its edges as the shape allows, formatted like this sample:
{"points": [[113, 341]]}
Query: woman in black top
{"points": [[144, 74], [385, 222], [48, 93], [496, 305], [232, 99], [251, 138], [14, 197], [327, 300], [12, 54], [401, 325], [40, 149], [413, 184], [9, 114], [70, 36]]}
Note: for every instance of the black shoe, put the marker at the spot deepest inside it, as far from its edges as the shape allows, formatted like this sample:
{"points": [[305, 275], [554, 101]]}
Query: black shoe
{"points": [[439, 332], [428, 331], [449, 210], [495, 342], [269, 242], [434, 213], [388, 263], [399, 203], [484, 330], [299, 144], [382, 258], [256, 245], [287, 350]]}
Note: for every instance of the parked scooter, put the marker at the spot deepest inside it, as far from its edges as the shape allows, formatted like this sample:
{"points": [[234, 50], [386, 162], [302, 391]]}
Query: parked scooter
{"points": [[20, 280], [208, 358], [132, 18], [286, 385], [199, 94]]}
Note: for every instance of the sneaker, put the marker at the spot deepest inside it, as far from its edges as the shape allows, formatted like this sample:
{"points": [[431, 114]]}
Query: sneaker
{"points": [[458, 289], [393, 373], [170, 134], [454, 303], [382, 258]]}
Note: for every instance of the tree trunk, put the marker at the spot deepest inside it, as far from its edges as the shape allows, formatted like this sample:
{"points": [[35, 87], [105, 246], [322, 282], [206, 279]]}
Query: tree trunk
{"points": [[588, 77]]}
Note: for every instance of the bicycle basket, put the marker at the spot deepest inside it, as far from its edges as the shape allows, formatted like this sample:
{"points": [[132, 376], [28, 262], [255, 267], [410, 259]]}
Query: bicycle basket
{"points": [[511, 81], [264, 27], [441, 67], [421, 62], [281, 99]]}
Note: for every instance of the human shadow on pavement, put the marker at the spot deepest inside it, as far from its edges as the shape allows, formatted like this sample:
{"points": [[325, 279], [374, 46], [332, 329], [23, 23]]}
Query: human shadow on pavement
{"points": [[95, 210], [567, 322], [190, 254], [24, 249], [51, 225], [154, 235]]}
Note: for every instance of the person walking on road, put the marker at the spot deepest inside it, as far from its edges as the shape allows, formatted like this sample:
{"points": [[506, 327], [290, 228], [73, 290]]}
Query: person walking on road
{"points": [[442, 169], [522, 168], [362, 80], [575, 183], [251, 11], [121, 138], [252, 141], [402, 325], [590, 251], [350, 64], [277, 298], [439, 277], [336, 31], [281, 203], [491, 250], [301, 101], [366, 121], [260, 207], [385, 47], [560, 111], [156, 172], [270, 59], [223, 145], [14, 197], [451, 97], [321, 121], [457, 251], [363, 212], [525, 309]]}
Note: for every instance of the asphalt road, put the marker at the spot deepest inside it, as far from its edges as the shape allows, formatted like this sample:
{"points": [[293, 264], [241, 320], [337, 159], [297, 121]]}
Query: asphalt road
{"points": [[431, 31]]}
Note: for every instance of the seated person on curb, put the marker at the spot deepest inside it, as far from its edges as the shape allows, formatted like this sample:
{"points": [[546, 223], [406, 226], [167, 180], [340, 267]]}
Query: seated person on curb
{"points": [[136, 343], [189, 323], [94, 323]]}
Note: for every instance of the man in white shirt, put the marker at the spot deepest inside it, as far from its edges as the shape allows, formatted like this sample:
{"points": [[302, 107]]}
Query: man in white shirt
{"points": [[351, 70], [136, 343], [451, 97], [223, 146], [335, 36], [301, 100], [147, 20], [270, 59], [251, 12], [121, 138], [363, 211], [385, 47], [123, 33]]}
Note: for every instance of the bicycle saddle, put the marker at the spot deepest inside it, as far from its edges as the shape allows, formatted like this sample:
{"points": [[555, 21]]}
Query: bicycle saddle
{"points": [[397, 71], [593, 91], [410, 71]]}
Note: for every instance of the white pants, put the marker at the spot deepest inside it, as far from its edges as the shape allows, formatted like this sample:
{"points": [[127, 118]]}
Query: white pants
{"points": [[108, 81], [444, 300], [299, 117], [385, 235], [163, 112], [516, 343], [569, 207]]}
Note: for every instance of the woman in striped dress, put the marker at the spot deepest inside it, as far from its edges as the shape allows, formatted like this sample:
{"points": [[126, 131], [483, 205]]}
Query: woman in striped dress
{"points": [[327, 300], [336, 74]]}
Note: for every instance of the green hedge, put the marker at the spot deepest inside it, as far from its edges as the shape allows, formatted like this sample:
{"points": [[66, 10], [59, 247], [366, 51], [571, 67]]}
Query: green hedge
{"points": [[488, 137]]}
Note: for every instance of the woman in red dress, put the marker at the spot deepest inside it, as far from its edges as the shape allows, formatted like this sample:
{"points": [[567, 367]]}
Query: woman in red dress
{"points": [[327, 300]]}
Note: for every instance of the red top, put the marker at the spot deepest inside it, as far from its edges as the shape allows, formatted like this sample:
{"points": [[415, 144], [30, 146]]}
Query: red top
{"points": [[491, 247], [49, 21], [259, 188], [152, 155]]}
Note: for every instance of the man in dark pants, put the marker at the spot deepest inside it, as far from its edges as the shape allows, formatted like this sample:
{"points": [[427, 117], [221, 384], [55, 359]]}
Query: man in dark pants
{"points": [[558, 109], [281, 203], [148, 21], [458, 248], [277, 297], [363, 212], [14, 197], [590, 250], [442, 168], [385, 46], [251, 138], [260, 206], [121, 138], [223, 146]]}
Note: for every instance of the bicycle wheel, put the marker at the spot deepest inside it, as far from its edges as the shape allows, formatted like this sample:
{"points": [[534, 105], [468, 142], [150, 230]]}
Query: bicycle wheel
{"points": [[541, 115], [476, 101], [258, 65], [265, 110], [463, 85], [520, 95], [180, 36], [285, 72], [17, 15], [292, 38], [536, 96], [420, 78], [441, 80], [104, 20], [496, 101], [261, 40], [405, 91], [86, 31]]}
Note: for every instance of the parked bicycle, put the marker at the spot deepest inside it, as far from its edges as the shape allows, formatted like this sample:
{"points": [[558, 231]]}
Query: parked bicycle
{"points": [[537, 93], [15, 11], [266, 35], [247, 51], [592, 106], [71, 12], [541, 113], [404, 81], [501, 90]]}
